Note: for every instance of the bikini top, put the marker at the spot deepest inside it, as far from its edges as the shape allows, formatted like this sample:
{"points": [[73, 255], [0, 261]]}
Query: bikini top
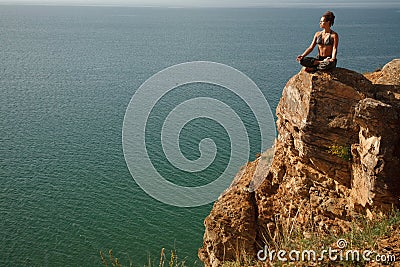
{"points": [[327, 41]]}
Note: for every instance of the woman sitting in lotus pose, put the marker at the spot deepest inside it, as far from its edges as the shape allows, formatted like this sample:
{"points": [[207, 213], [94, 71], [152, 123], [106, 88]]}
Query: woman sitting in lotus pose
{"points": [[327, 41]]}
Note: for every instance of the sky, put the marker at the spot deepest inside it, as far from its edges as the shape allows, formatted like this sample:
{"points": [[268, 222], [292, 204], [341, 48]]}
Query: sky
{"points": [[217, 3]]}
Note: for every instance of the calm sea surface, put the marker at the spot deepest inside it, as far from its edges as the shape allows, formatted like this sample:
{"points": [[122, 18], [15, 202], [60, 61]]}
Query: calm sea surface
{"points": [[67, 75]]}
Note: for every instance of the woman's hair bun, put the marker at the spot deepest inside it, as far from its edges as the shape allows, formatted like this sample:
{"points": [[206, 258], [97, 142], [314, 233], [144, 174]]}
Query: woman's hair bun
{"points": [[329, 16]]}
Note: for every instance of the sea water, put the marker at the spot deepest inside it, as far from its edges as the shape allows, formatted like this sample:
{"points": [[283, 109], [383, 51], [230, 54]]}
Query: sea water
{"points": [[67, 75]]}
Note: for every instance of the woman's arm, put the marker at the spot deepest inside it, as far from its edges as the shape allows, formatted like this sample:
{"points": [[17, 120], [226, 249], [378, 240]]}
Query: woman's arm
{"points": [[335, 45], [310, 48]]}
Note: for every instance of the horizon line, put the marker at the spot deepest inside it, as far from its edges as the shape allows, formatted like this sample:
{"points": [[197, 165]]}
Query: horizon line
{"points": [[271, 5], [282, 4]]}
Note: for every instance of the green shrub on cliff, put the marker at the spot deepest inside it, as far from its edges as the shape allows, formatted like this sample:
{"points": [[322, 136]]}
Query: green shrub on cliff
{"points": [[341, 151]]}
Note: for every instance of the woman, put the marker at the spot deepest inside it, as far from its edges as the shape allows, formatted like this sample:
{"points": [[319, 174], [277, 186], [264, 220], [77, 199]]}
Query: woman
{"points": [[327, 41]]}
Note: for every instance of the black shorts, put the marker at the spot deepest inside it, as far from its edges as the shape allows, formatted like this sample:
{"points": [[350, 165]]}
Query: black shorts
{"points": [[323, 65]]}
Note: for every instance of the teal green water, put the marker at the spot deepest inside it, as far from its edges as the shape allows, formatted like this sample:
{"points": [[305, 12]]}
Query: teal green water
{"points": [[67, 75]]}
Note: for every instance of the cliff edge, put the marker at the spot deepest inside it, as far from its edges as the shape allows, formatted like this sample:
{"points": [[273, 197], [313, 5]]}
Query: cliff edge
{"points": [[337, 156]]}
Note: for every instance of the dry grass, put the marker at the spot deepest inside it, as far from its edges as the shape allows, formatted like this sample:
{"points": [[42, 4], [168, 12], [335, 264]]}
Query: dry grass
{"points": [[165, 260], [365, 235]]}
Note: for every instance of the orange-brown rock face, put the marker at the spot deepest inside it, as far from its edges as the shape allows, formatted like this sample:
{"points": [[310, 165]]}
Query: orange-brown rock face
{"points": [[376, 163], [337, 154], [231, 226]]}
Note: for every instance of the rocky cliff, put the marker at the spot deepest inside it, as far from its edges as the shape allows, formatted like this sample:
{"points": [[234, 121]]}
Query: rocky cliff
{"points": [[337, 156]]}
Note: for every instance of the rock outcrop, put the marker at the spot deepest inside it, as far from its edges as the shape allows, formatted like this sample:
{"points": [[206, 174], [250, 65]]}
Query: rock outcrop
{"points": [[337, 155]]}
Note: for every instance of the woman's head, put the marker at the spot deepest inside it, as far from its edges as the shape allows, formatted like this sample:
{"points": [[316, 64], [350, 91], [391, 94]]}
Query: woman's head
{"points": [[328, 17]]}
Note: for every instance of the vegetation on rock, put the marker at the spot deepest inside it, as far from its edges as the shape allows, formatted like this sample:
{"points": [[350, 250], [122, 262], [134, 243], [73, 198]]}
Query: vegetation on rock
{"points": [[343, 152]]}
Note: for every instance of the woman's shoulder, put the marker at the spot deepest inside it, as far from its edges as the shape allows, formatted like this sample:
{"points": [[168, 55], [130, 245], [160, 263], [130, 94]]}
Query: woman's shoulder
{"points": [[316, 34]]}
